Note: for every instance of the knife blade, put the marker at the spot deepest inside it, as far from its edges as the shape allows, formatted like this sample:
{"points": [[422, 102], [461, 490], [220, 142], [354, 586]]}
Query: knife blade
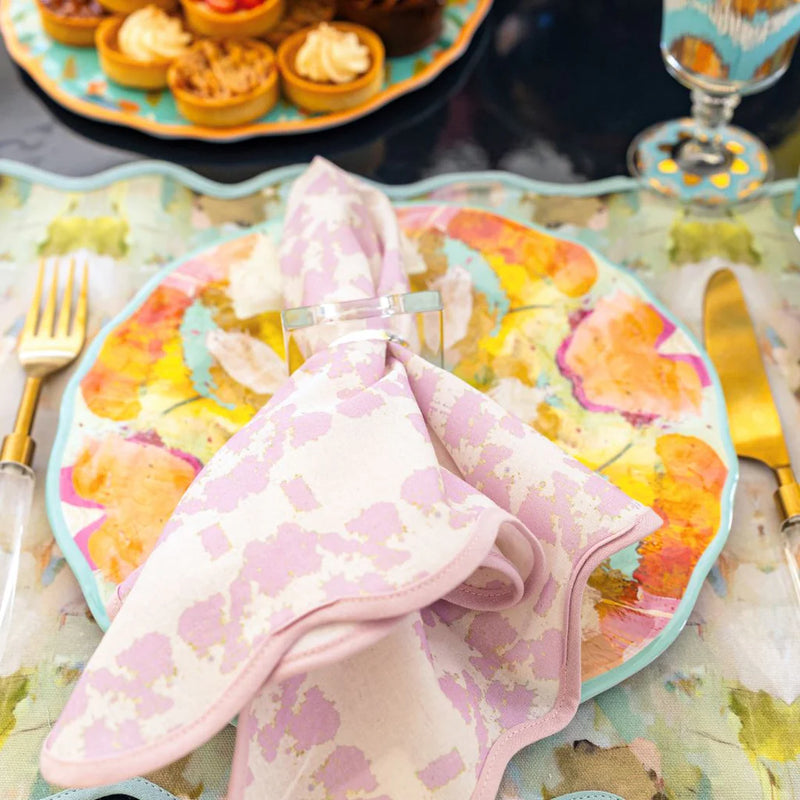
{"points": [[755, 425]]}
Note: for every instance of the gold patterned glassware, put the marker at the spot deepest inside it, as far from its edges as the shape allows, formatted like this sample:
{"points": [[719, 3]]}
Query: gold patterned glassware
{"points": [[721, 50]]}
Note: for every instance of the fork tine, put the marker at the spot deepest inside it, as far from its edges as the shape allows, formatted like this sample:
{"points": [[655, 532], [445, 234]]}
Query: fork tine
{"points": [[46, 322], [79, 323], [29, 328], [62, 326]]}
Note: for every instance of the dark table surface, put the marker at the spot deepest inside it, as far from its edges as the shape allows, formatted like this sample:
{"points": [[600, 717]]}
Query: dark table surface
{"points": [[550, 89]]}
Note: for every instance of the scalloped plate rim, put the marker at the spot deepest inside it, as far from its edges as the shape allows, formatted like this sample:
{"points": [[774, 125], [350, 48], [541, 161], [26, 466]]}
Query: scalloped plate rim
{"points": [[589, 688], [237, 133]]}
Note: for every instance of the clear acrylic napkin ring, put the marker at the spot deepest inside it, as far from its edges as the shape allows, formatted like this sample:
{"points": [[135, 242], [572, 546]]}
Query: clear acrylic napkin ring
{"points": [[413, 319]]}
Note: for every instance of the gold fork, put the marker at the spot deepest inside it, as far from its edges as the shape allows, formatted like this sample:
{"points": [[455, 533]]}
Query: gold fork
{"points": [[46, 345]]}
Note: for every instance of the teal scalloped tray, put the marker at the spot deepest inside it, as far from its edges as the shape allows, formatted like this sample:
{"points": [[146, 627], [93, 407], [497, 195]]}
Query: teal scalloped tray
{"points": [[72, 76]]}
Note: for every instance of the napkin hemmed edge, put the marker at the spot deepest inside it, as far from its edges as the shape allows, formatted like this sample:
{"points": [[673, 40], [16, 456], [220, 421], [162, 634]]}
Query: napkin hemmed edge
{"points": [[567, 701], [180, 740]]}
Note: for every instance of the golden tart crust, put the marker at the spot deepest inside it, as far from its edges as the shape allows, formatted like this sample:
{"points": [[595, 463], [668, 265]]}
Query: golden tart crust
{"points": [[321, 97], [224, 83], [129, 6]]}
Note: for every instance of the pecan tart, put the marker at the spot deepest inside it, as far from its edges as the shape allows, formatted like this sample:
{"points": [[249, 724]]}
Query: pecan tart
{"points": [[332, 67], [221, 83]]}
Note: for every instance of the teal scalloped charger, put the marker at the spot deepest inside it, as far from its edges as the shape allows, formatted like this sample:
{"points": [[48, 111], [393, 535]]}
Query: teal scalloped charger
{"points": [[612, 276], [72, 76]]}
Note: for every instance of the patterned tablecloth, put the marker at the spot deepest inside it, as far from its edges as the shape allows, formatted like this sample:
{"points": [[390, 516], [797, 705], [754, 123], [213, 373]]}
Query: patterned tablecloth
{"points": [[716, 716]]}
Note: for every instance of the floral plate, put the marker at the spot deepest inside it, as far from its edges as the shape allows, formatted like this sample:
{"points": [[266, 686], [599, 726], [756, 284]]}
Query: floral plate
{"points": [[572, 344], [72, 77]]}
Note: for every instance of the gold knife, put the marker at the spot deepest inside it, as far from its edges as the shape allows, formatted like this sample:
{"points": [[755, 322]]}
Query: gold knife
{"points": [[754, 422]]}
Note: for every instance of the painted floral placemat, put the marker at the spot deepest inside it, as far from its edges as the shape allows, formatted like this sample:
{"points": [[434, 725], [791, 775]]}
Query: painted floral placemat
{"points": [[712, 716]]}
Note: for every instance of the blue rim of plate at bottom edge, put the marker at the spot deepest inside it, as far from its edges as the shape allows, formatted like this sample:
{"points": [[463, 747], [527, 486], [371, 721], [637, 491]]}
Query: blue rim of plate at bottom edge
{"points": [[589, 688], [142, 789]]}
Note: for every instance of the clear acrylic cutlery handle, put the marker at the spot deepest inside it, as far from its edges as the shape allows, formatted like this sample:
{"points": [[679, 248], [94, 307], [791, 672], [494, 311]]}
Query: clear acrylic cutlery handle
{"points": [[16, 495], [791, 551]]}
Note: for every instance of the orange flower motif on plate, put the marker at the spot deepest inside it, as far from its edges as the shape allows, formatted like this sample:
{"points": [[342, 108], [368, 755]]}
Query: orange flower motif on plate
{"points": [[616, 361]]}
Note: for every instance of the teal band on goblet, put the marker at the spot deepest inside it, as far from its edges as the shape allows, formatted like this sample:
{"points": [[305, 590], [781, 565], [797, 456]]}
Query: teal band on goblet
{"points": [[721, 50]]}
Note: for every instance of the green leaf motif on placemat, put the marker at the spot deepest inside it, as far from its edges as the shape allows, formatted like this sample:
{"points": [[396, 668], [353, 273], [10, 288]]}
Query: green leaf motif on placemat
{"points": [[769, 725], [693, 241], [103, 235], [13, 690]]}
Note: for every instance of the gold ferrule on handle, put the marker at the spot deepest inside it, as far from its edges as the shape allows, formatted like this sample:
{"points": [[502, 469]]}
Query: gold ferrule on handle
{"points": [[18, 446], [788, 494]]}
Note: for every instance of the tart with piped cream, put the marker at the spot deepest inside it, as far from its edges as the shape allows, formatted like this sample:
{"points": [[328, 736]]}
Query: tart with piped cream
{"points": [[331, 67], [225, 82], [137, 50]]}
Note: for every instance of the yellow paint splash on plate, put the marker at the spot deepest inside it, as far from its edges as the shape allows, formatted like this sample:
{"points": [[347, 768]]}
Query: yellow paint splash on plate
{"points": [[69, 71]]}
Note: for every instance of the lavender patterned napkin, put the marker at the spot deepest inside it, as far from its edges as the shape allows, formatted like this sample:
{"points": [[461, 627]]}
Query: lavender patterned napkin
{"points": [[381, 573]]}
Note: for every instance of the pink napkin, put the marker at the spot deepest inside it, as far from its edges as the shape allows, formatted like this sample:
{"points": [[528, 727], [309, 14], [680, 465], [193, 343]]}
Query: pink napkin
{"points": [[381, 573]]}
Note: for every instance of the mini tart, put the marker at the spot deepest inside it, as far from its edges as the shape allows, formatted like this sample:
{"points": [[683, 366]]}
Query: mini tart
{"points": [[229, 111], [123, 69], [74, 31], [312, 96], [249, 22], [129, 6], [405, 26]]}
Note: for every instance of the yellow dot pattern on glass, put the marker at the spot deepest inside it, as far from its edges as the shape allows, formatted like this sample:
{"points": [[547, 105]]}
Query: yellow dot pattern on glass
{"points": [[721, 180]]}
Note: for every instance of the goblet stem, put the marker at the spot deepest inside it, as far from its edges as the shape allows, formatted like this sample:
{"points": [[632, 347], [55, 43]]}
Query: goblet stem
{"points": [[705, 152]]}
